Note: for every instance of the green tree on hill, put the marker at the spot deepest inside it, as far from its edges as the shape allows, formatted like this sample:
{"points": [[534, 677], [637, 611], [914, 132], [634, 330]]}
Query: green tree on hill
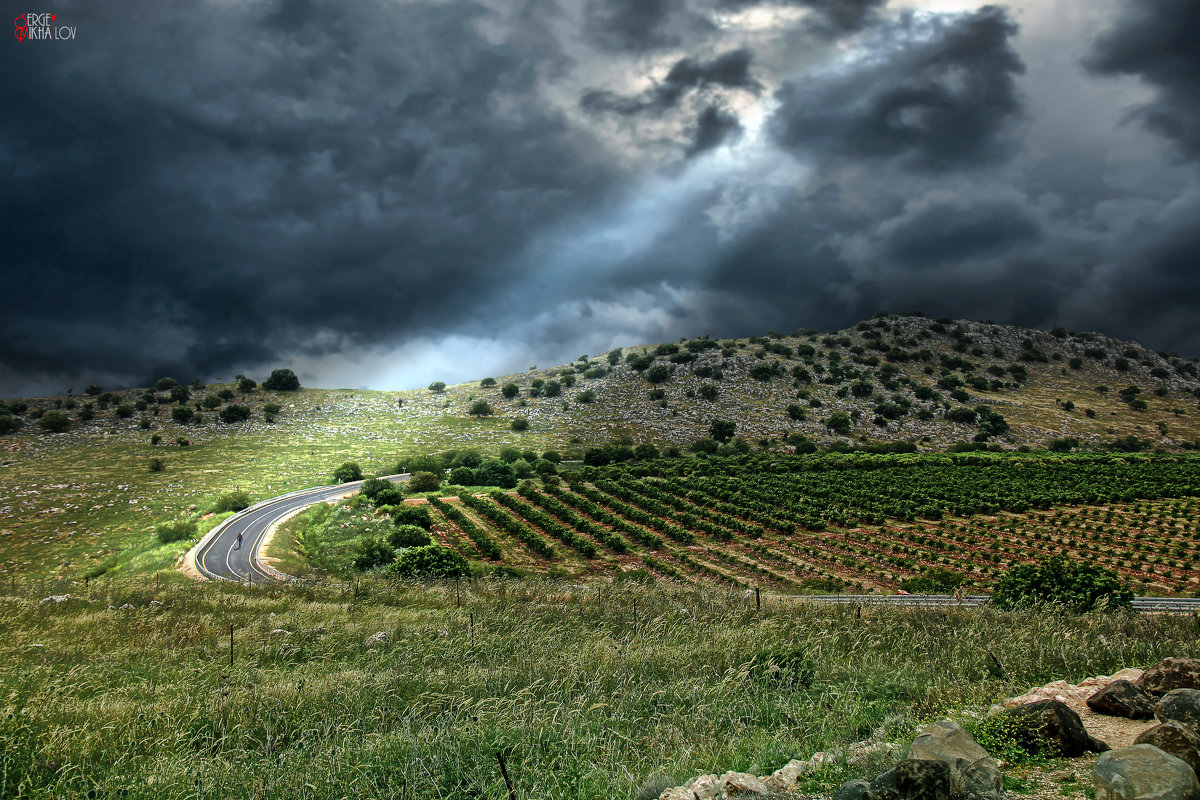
{"points": [[282, 380]]}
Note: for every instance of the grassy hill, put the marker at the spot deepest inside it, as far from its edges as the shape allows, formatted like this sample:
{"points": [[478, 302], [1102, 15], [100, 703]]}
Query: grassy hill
{"points": [[83, 500]]}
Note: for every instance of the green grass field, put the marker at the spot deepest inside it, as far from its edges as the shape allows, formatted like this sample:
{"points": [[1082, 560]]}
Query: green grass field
{"points": [[586, 692]]}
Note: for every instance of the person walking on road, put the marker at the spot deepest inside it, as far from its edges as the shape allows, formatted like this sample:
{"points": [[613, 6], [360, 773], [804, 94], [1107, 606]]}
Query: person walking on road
{"points": [[239, 542]]}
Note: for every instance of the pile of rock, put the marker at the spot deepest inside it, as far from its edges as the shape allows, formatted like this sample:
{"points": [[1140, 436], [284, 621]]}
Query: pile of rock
{"points": [[946, 763], [1164, 761]]}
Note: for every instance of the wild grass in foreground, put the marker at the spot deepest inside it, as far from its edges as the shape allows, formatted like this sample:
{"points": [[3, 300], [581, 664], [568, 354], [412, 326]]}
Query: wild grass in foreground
{"points": [[586, 693]]}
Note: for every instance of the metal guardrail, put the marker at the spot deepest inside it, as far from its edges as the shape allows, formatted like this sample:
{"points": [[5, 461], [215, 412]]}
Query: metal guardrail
{"points": [[1174, 604]]}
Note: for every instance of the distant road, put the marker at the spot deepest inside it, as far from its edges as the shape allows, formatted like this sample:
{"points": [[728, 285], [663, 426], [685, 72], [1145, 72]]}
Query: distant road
{"points": [[218, 555]]}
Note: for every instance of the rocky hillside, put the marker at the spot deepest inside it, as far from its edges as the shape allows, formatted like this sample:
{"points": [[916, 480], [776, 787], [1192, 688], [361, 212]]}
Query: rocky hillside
{"points": [[933, 383]]}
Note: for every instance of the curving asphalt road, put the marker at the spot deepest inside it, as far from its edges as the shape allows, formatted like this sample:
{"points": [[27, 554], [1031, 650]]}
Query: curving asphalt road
{"points": [[218, 555]]}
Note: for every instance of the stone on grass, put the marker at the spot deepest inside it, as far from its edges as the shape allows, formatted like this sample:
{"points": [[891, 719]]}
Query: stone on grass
{"points": [[972, 769], [1171, 673], [1054, 725], [55, 599], [379, 637], [1175, 738], [1143, 772], [743, 783], [857, 789], [1123, 699], [785, 778], [1181, 705]]}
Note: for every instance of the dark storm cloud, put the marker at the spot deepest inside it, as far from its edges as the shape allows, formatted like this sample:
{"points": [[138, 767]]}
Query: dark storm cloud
{"points": [[1159, 41], [714, 127], [729, 70], [835, 17], [940, 104], [958, 232], [208, 207], [641, 25], [203, 188]]}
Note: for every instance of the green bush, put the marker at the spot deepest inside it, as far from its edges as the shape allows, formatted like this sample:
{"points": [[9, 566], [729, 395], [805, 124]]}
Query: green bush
{"points": [[157, 465], [234, 413], [659, 373], [722, 429], [430, 561], [282, 380], [10, 424], [437, 387], [372, 487], [372, 552], [236, 500], [409, 536], [424, 482], [248, 385], [348, 472], [510, 390], [519, 424], [423, 463], [487, 382], [463, 476], [183, 414], [1058, 582], [211, 402], [176, 531], [839, 422], [55, 422], [166, 384], [480, 408], [409, 514]]}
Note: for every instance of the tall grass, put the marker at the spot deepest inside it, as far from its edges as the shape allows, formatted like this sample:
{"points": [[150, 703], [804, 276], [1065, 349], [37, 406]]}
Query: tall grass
{"points": [[584, 694]]}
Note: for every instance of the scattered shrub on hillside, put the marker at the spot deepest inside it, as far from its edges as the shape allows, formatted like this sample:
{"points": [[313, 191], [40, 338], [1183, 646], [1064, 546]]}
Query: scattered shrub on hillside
{"points": [[348, 472], [409, 536], [236, 500], [437, 387], [211, 402], [55, 422], [372, 552], [722, 429], [176, 531], [480, 408], [933, 581], [157, 465], [10, 424], [430, 561], [486, 382], [586, 396], [225, 394], [272, 408], [510, 390], [423, 463], [659, 373], [424, 482], [708, 391], [707, 445], [1064, 445], [519, 424], [1056, 581], [839, 422], [166, 384], [183, 414], [282, 380], [234, 413], [248, 385]]}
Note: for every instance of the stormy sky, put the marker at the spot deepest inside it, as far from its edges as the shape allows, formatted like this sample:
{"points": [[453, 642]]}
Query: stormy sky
{"points": [[390, 192]]}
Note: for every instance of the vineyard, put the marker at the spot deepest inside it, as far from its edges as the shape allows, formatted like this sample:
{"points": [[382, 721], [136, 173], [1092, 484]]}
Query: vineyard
{"points": [[843, 522]]}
